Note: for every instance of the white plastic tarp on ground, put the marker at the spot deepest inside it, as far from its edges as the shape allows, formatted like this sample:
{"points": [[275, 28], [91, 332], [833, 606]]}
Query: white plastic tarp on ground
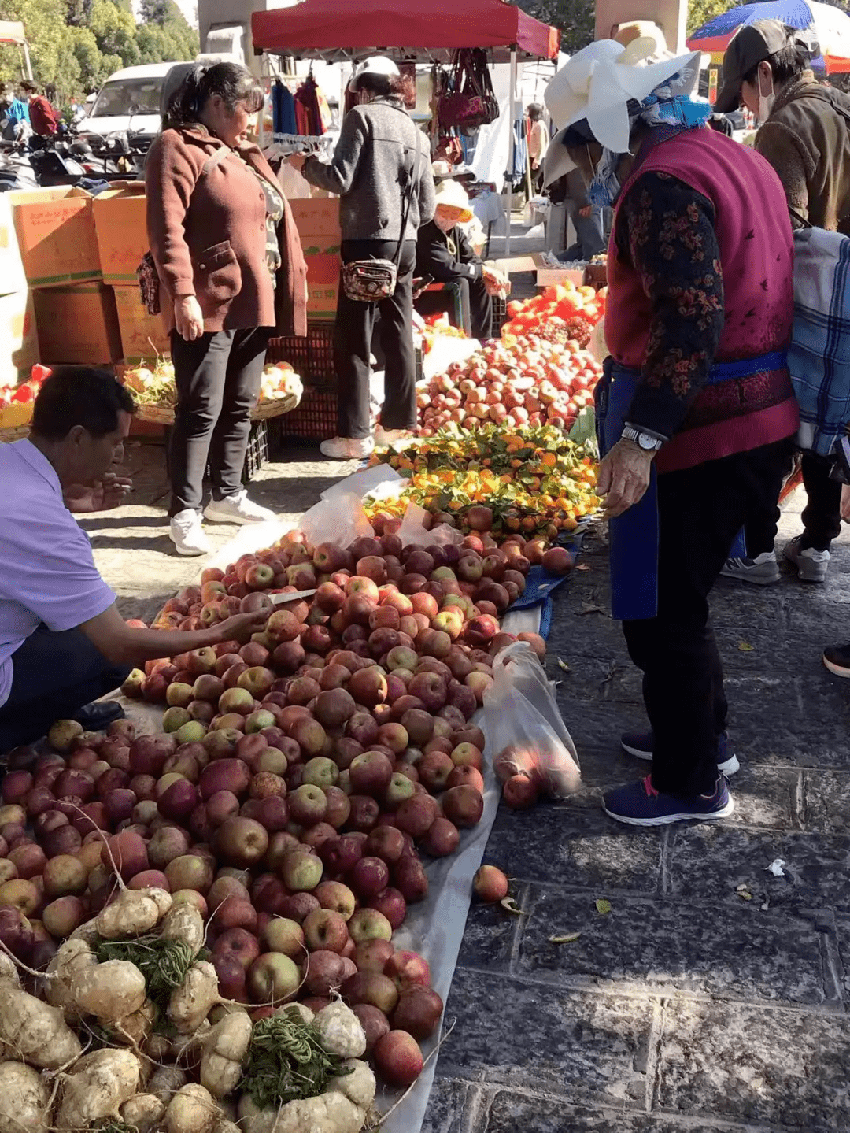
{"points": [[435, 927]]}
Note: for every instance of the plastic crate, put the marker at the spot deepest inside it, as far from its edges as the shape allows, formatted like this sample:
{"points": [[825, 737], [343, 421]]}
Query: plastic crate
{"points": [[310, 355], [500, 314], [315, 419], [258, 450]]}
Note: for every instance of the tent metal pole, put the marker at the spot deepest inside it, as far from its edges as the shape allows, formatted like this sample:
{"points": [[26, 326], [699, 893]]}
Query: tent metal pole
{"points": [[512, 148]]}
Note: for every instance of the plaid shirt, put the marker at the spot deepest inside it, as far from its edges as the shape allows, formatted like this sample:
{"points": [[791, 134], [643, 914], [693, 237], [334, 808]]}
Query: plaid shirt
{"points": [[819, 355]]}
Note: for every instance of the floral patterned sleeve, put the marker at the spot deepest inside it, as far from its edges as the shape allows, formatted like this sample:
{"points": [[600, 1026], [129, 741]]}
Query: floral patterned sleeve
{"points": [[666, 230]]}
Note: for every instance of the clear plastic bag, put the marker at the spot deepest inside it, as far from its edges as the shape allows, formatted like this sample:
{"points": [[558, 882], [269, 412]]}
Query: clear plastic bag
{"points": [[339, 518], [524, 727]]}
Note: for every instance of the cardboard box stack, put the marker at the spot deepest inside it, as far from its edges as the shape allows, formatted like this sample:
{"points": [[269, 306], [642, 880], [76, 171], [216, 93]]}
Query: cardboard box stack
{"points": [[73, 313], [122, 241], [317, 221]]}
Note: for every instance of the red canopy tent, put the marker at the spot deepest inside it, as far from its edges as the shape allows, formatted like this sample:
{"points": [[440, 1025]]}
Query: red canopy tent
{"points": [[339, 29], [406, 29]]}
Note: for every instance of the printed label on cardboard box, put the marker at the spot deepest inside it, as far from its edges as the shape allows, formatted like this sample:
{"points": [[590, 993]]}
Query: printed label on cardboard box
{"points": [[316, 217], [56, 236], [120, 225], [143, 336]]}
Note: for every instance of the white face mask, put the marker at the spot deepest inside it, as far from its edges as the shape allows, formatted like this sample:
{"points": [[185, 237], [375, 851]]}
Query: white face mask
{"points": [[766, 102]]}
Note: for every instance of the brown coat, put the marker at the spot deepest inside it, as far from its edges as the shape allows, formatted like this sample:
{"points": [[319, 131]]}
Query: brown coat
{"points": [[808, 144], [207, 236]]}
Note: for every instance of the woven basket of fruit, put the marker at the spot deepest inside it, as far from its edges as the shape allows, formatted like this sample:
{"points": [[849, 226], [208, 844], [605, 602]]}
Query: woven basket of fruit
{"points": [[153, 387]]}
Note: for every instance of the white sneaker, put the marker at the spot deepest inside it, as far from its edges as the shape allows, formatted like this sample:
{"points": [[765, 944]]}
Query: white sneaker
{"points": [[811, 565], [387, 437], [346, 448], [187, 533], [237, 509]]}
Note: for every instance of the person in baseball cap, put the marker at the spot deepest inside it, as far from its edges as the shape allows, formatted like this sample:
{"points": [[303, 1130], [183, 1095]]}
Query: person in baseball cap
{"points": [[746, 80]]}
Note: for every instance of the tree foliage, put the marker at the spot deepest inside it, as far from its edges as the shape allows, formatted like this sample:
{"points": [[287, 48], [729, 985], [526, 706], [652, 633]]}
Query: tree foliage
{"points": [[75, 45], [575, 19], [701, 11]]}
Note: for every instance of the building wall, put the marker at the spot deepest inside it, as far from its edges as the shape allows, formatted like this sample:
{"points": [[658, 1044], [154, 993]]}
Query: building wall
{"points": [[670, 15]]}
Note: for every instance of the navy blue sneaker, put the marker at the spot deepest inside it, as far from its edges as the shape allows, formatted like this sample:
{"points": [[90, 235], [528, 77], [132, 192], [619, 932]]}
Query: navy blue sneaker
{"points": [[639, 804], [639, 744]]}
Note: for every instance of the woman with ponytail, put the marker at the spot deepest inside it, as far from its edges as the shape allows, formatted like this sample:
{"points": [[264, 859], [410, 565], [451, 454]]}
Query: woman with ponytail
{"points": [[232, 272]]}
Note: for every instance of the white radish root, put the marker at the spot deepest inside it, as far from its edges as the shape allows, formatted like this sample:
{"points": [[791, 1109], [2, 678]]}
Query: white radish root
{"points": [[166, 1081], [358, 1086], [35, 1031], [191, 1110], [143, 1112], [100, 1084], [190, 1003], [133, 913], [24, 1099], [224, 1051], [109, 991], [184, 923]]}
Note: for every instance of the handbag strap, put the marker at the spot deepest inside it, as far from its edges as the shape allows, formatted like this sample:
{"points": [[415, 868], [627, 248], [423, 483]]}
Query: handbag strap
{"points": [[408, 200]]}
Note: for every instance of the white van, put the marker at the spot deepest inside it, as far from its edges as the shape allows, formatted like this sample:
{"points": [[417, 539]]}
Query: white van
{"points": [[130, 101]]}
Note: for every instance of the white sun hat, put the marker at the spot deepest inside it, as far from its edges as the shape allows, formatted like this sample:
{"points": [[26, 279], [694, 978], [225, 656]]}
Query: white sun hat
{"points": [[599, 81], [452, 195], [374, 65]]}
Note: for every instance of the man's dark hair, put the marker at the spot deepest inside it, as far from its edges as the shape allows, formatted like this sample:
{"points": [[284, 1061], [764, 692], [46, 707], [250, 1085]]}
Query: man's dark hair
{"points": [[535, 111], [79, 395], [230, 81], [788, 63], [29, 87], [382, 86]]}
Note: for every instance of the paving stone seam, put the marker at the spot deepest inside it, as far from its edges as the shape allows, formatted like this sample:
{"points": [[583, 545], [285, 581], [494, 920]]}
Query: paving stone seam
{"points": [[653, 1054], [648, 897], [655, 993]]}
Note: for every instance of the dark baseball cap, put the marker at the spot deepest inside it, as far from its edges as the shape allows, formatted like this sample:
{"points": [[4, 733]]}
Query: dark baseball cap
{"points": [[753, 43]]}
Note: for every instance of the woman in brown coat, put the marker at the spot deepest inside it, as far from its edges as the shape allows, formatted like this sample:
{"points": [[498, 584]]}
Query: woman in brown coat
{"points": [[231, 269]]}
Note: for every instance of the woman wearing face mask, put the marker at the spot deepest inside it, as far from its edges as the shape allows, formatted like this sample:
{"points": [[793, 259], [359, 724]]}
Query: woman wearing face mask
{"points": [[696, 408], [804, 133], [381, 170], [231, 270]]}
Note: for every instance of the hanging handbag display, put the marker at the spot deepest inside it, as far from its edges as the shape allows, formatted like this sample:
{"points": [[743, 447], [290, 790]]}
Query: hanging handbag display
{"points": [[469, 100], [370, 281]]}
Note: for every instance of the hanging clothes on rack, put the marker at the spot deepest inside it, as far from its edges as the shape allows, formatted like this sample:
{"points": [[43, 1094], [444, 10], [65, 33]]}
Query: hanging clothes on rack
{"points": [[308, 115], [283, 109]]}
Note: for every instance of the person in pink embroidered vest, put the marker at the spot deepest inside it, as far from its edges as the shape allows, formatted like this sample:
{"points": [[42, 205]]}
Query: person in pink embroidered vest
{"points": [[696, 412]]}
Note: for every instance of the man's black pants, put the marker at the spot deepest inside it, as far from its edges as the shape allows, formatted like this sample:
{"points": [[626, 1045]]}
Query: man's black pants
{"points": [[475, 304], [353, 329], [700, 512], [54, 675], [218, 382], [821, 515]]}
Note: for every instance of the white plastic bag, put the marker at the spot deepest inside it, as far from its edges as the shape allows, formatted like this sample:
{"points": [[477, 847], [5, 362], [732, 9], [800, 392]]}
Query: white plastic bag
{"points": [[524, 727], [413, 530], [339, 519]]}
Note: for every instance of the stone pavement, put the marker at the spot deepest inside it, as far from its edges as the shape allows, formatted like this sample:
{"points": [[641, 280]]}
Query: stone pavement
{"points": [[686, 1007]]}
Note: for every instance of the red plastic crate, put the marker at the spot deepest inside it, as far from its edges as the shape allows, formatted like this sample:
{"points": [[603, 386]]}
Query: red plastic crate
{"points": [[310, 355], [315, 419]]}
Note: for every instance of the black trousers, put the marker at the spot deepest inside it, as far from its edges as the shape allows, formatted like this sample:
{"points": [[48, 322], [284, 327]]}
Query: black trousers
{"points": [[54, 675], [700, 511], [475, 304], [821, 516], [218, 382], [355, 323]]}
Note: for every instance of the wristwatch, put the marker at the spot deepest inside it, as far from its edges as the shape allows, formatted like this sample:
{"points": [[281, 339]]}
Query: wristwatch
{"points": [[645, 441]]}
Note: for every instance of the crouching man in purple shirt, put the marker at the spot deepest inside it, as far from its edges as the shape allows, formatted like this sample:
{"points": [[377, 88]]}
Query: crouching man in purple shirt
{"points": [[63, 642]]}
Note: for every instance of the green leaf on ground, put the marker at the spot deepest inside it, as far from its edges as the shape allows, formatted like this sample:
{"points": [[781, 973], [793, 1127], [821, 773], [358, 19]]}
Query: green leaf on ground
{"points": [[603, 907], [568, 938], [510, 906]]}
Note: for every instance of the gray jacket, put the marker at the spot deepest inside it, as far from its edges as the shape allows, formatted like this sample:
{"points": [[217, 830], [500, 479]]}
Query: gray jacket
{"points": [[378, 146]]}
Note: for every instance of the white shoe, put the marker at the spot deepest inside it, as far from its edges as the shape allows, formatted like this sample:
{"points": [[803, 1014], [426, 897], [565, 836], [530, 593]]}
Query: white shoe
{"points": [[346, 448], [187, 533], [763, 570], [387, 437], [237, 509]]}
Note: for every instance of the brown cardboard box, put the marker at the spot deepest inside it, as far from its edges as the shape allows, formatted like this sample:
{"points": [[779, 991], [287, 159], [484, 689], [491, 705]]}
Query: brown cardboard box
{"points": [[12, 277], [78, 324], [56, 236], [122, 238], [317, 221], [547, 276], [17, 334], [143, 336]]}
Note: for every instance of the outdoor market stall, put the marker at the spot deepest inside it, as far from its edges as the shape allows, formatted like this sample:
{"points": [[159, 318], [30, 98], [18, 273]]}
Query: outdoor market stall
{"points": [[334, 30]]}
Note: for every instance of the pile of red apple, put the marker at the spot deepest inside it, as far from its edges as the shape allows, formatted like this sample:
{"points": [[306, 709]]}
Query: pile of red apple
{"points": [[527, 381], [298, 779]]}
